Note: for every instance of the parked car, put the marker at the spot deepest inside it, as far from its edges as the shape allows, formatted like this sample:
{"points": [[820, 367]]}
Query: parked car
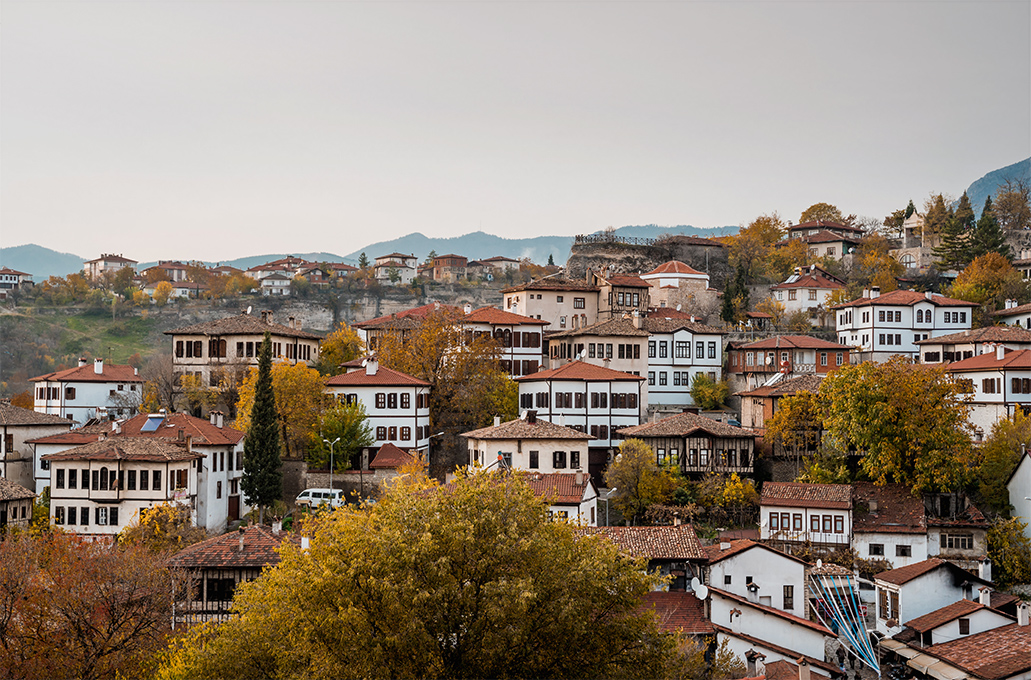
{"points": [[314, 498]]}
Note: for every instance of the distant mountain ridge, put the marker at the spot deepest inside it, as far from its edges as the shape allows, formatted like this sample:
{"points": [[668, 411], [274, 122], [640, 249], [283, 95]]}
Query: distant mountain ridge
{"points": [[40, 261], [990, 183]]}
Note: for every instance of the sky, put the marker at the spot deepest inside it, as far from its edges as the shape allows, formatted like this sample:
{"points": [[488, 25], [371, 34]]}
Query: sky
{"points": [[215, 130]]}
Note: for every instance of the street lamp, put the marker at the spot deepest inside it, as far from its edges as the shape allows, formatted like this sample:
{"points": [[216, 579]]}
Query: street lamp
{"points": [[330, 445], [606, 499]]}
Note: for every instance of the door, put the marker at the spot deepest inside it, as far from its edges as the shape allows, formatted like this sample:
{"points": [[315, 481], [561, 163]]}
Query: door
{"points": [[234, 508]]}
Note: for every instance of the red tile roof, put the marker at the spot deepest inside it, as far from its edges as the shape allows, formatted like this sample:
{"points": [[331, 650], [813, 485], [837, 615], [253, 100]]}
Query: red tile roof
{"points": [[785, 670], [654, 543], [793, 342], [992, 655], [9, 491], [898, 511], [817, 280], [260, 548], [812, 625], [580, 370], [202, 431], [561, 486], [939, 617], [80, 435], [661, 323], [110, 373], [241, 324], [16, 415], [524, 429], [390, 457], [905, 298], [764, 644], [716, 553], [983, 334], [1019, 309], [555, 283], [12, 272], [798, 495], [786, 388], [675, 267], [383, 376], [905, 574], [493, 315], [1016, 359], [612, 327], [416, 313], [678, 611], [627, 281], [818, 224], [686, 425], [142, 449]]}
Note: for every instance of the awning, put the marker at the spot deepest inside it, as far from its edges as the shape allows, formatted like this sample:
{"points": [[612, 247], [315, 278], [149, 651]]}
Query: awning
{"points": [[936, 668], [900, 648]]}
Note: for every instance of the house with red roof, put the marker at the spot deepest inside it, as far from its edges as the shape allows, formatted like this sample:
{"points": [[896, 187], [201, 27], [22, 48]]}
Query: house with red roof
{"points": [[760, 404], [696, 445], [556, 299], [807, 290], [12, 281], [679, 286], [679, 611], [572, 496], [920, 588], [616, 343], [89, 391], [998, 383], [97, 489], [996, 652], [18, 428], [793, 514], [620, 294], [881, 326], [672, 551], [450, 268], [15, 505], [530, 443], [403, 322], [395, 268], [755, 364], [971, 343], [108, 263], [217, 566], [825, 238], [747, 568], [953, 622], [521, 337], [592, 399], [397, 405]]}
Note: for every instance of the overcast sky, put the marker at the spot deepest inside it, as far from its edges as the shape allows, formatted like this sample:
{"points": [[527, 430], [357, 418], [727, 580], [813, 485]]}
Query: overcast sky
{"points": [[216, 130]]}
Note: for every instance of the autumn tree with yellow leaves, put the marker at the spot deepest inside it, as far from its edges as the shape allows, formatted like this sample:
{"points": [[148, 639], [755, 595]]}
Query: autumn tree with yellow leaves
{"points": [[300, 402], [339, 347], [907, 422], [638, 480], [469, 580]]}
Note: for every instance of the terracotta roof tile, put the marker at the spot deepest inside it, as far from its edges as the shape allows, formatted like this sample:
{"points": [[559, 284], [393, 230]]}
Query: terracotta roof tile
{"points": [[906, 298], [260, 548], [202, 431], [580, 370], [685, 424], [909, 572], [524, 429], [1015, 359], [561, 486], [794, 342], [983, 334], [654, 543], [390, 457], [765, 644], [1019, 309], [80, 435], [716, 553], [939, 617], [679, 611], [992, 655], [796, 494], [16, 415], [9, 491], [241, 324], [494, 315], [611, 327], [675, 267], [818, 224], [413, 316], [809, 281], [553, 283], [898, 511], [786, 388], [664, 324], [627, 281], [87, 373], [383, 376], [785, 670], [144, 449]]}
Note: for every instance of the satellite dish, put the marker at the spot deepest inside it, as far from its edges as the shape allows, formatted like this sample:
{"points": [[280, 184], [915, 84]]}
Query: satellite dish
{"points": [[583, 354], [819, 564], [364, 362], [695, 583], [701, 592], [522, 416], [249, 308], [679, 306]]}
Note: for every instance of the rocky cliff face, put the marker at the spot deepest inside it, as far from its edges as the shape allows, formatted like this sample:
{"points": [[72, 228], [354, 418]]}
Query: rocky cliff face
{"points": [[642, 255]]}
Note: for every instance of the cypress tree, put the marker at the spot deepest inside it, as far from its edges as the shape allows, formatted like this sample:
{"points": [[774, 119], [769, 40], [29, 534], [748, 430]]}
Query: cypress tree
{"points": [[988, 235], [262, 480], [955, 250]]}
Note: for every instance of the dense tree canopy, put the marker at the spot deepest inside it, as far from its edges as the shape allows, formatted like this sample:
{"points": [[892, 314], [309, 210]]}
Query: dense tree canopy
{"points": [[340, 346], [262, 481], [468, 581], [821, 211], [1013, 205], [990, 280], [907, 422], [349, 424], [300, 401], [638, 480]]}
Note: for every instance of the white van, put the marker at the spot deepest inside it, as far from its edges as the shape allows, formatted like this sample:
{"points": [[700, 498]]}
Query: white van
{"points": [[317, 497]]}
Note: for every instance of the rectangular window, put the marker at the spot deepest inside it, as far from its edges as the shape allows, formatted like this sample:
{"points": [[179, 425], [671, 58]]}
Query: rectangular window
{"points": [[840, 358], [663, 349], [774, 521], [637, 351], [712, 350], [590, 350], [608, 350], [796, 521], [876, 550], [406, 434], [535, 460], [59, 514], [651, 377], [406, 400], [789, 597], [558, 460], [622, 350], [792, 294], [699, 350], [131, 480], [72, 514], [964, 626], [880, 316], [574, 459], [381, 400], [839, 524], [814, 524], [72, 478], [827, 523], [392, 433], [651, 349], [579, 303], [681, 349], [662, 377], [100, 516], [823, 358], [392, 400], [812, 293], [144, 478], [903, 551], [60, 479], [676, 377], [727, 579]]}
